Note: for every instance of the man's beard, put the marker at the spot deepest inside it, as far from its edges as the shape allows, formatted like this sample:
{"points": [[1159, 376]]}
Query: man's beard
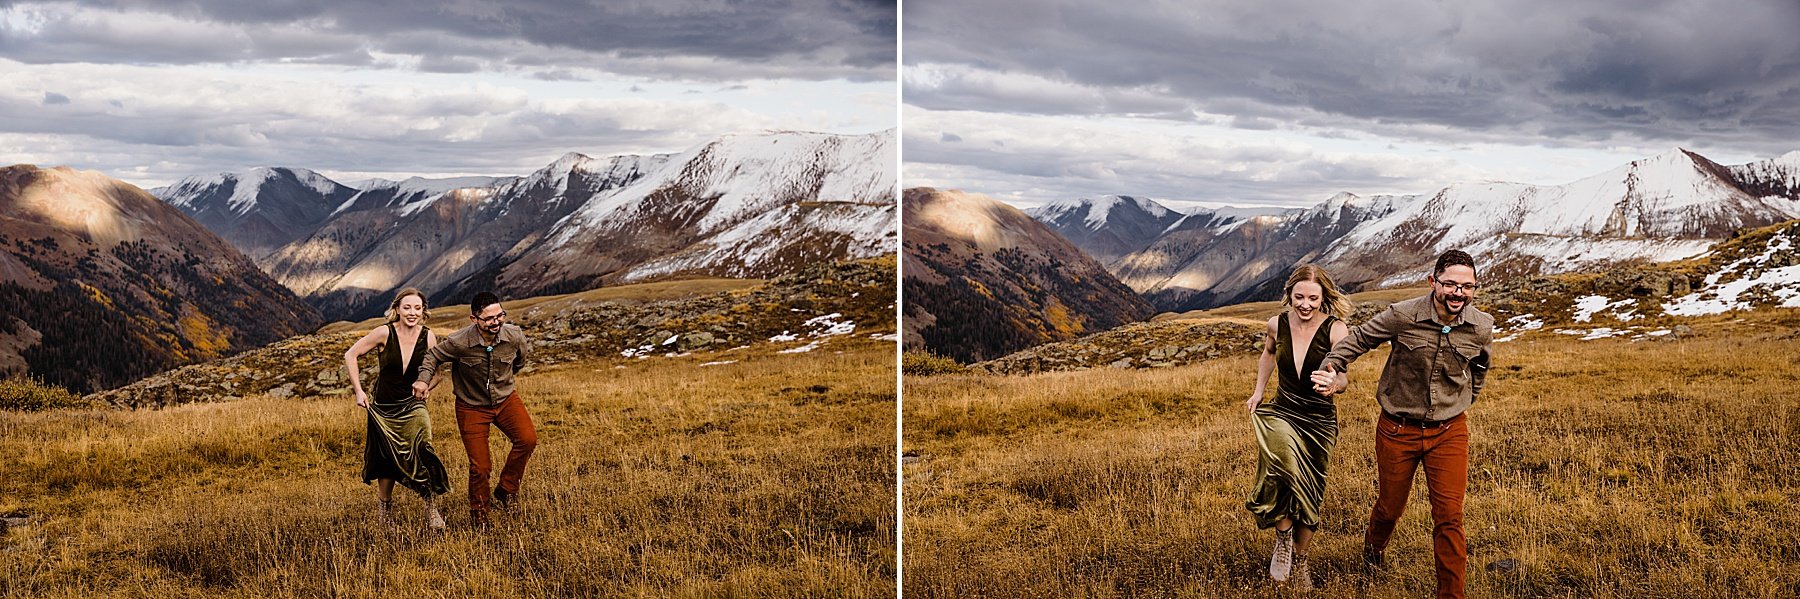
{"points": [[1444, 301]]}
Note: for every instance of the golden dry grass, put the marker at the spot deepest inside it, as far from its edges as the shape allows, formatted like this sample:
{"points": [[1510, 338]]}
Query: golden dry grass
{"points": [[1604, 468], [768, 477]]}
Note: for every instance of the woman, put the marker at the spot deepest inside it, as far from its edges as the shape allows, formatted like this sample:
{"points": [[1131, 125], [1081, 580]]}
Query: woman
{"points": [[1296, 430], [399, 440]]}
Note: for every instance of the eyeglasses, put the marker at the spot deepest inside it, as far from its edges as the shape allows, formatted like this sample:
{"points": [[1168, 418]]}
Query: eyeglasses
{"points": [[1461, 287], [495, 318]]}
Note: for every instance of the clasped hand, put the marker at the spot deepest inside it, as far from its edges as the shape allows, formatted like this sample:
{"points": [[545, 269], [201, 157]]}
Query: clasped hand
{"points": [[1325, 380]]}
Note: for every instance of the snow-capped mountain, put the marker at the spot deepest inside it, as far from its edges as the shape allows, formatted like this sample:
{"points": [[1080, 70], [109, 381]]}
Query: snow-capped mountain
{"points": [[1214, 258], [259, 209], [983, 279], [1108, 227], [434, 234], [1666, 207], [411, 195], [740, 206]]}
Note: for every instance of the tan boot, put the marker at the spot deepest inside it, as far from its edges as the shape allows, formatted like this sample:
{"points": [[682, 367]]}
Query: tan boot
{"points": [[1301, 576], [433, 519], [1282, 562]]}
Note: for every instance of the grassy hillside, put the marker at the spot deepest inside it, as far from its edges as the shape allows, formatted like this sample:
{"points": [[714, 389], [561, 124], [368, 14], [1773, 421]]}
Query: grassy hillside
{"points": [[699, 438], [1603, 468], [743, 472]]}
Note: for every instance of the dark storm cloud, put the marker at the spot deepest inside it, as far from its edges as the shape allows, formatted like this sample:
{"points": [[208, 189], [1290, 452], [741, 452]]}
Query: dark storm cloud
{"points": [[1669, 72], [812, 39]]}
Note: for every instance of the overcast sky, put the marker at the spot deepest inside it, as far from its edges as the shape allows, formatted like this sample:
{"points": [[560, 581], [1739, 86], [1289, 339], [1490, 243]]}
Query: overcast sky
{"points": [[151, 91], [1285, 102]]}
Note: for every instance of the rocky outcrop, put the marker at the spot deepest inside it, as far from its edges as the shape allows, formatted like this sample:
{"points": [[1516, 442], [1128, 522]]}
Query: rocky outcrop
{"points": [[809, 307], [1161, 344]]}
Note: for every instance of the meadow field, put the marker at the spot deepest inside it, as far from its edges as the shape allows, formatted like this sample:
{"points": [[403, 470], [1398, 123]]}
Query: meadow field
{"points": [[738, 473], [1667, 467]]}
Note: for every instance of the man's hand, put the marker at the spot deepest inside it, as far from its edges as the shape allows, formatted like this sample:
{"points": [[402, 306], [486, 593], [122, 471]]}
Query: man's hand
{"points": [[1325, 380], [421, 389]]}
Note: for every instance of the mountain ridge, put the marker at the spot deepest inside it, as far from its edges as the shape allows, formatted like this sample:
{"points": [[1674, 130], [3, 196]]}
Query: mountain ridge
{"points": [[1659, 208]]}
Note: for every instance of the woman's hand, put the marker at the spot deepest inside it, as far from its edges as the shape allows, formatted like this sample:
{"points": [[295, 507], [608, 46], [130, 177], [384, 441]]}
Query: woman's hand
{"points": [[1325, 380], [1255, 400], [362, 399]]}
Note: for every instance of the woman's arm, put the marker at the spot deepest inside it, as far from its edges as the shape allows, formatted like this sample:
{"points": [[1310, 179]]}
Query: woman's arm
{"points": [[362, 346], [1265, 364], [437, 377], [1342, 381]]}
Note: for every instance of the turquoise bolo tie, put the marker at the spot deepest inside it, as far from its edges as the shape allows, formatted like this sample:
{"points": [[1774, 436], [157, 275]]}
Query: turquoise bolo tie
{"points": [[1446, 330]]}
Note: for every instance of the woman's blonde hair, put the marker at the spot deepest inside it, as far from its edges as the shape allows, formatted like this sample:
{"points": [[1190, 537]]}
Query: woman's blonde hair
{"points": [[393, 311], [1333, 301]]}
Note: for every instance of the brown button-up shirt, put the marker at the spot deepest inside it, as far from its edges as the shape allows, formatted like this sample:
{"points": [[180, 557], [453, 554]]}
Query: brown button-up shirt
{"points": [[1431, 374], [481, 374]]}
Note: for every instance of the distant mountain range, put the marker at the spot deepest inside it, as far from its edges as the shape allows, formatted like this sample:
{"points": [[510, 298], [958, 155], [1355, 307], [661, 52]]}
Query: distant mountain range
{"points": [[1661, 208], [982, 280], [260, 209], [104, 284], [738, 206]]}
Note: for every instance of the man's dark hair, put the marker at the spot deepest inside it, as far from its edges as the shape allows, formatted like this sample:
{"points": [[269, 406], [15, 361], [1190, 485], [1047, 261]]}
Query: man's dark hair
{"points": [[482, 301], [1453, 258]]}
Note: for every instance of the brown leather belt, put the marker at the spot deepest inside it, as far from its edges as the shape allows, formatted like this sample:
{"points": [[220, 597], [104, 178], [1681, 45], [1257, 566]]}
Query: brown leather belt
{"points": [[1415, 422]]}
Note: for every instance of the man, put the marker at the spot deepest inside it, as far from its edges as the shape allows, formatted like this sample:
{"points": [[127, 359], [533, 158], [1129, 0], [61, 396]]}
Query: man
{"points": [[484, 357], [1438, 363]]}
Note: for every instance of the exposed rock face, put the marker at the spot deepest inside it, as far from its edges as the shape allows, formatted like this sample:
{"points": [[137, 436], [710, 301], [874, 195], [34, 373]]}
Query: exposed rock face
{"points": [[982, 279], [260, 209], [105, 283], [393, 236], [739, 206], [1107, 227]]}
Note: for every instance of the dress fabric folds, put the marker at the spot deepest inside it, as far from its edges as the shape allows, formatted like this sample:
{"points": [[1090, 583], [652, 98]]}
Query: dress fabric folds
{"points": [[399, 440], [1295, 431]]}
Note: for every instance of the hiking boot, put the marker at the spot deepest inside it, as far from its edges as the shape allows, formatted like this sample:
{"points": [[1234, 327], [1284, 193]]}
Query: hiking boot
{"points": [[1300, 578], [1373, 561], [434, 519], [1282, 562], [503, 499]]}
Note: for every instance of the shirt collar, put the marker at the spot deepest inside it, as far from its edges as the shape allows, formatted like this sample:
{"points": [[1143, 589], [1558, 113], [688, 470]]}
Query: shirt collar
{"points": [[1424, 311]]}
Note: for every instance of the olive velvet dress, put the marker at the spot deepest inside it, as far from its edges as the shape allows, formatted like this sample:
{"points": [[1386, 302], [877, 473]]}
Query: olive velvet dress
{"points": [[1295, 431]]}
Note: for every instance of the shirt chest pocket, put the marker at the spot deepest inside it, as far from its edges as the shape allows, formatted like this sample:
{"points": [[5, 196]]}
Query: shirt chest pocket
{"points": [[1466, 352], [1424, 347], [1416, 342]]}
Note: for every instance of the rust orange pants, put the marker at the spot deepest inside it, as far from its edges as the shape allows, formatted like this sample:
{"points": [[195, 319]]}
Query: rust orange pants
{"points": [[1443, 451], [514, 422]]}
